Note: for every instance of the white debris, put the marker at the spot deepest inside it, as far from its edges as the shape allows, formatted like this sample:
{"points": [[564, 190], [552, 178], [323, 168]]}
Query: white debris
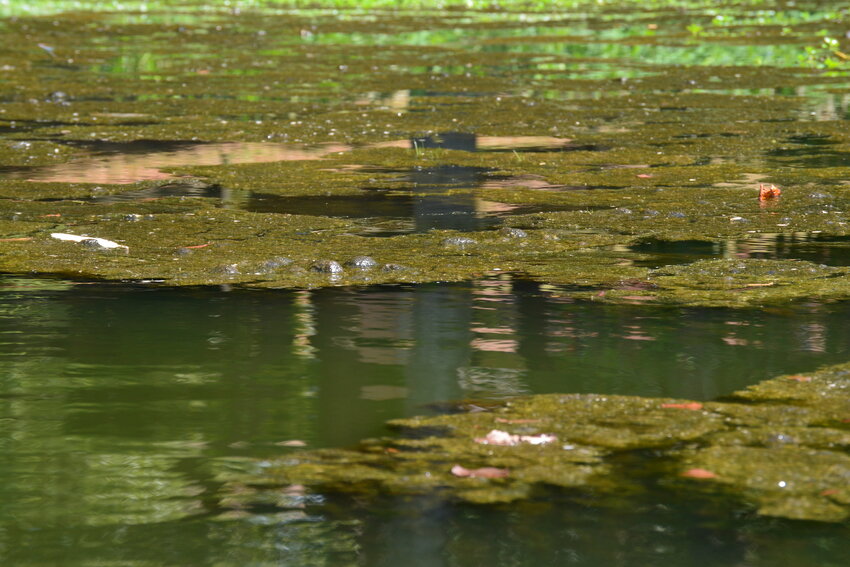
{"points": [[497, 437], [90, 241]]}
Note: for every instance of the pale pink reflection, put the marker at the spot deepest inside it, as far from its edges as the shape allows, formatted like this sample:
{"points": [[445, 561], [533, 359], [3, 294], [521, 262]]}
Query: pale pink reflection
{"points": [[732, 340], [493, 330], [495, 345], [130, 168], [125, 168], [635, 333]]}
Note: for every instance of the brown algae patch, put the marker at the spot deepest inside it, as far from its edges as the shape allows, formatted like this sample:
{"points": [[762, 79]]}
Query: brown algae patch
{"points": [[780, 446]]}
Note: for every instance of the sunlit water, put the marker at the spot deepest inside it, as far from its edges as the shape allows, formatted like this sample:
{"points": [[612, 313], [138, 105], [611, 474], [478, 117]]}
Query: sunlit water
{"points": [[121, 407]]}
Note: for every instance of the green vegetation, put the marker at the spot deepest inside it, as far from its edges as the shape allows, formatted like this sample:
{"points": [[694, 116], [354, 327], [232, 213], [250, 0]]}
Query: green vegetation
{"points": [[781, 446]]}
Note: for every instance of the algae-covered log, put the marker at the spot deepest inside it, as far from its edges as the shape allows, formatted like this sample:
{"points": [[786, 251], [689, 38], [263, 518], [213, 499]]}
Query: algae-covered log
{"points": [[781, 446]]}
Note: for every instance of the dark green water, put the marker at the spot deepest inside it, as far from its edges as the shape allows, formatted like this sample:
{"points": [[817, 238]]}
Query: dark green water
{"points": [[121, 407]]}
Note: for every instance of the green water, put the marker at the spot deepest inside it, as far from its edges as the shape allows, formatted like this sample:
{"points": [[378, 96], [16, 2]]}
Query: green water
{"points": [[122, 406], [621, 138]]}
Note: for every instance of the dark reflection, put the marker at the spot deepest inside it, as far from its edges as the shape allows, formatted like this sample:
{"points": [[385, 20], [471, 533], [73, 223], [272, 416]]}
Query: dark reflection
{"points": [[441, 197], [813, 247], [646, 526], [811, 151]]}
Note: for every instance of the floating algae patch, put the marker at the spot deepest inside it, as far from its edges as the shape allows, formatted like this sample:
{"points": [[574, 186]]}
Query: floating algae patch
{"points": [[749, 281], [578, 132], [189, 241], [780, 446]]}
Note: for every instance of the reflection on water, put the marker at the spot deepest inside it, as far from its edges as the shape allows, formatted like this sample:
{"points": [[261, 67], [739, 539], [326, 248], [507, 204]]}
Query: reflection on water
{"points": [[118, 402], [131, 162], [120, 406], [810, 246], [441, 197]]}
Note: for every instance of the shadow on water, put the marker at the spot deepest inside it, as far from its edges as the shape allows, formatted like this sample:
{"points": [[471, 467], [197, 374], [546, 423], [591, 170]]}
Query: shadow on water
{"points": [[441, 197], [813, 247], [810, 151]]}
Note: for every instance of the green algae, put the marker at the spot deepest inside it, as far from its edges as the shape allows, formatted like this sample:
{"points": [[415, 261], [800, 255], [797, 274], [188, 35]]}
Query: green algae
{"points": [[780, 446], [585, 249]]}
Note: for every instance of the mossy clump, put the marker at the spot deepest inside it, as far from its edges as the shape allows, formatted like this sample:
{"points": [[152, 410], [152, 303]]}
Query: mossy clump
{"points": [[781, 445]]}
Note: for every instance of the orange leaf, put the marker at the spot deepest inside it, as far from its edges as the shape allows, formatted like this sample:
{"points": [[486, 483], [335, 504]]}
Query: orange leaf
{"points": [[768, 192], [830, 492], [21, 239], [693, 406], [198, 246], [698, 473]]}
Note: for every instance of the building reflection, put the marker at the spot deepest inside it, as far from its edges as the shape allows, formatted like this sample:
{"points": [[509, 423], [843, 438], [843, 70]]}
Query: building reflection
{"points": [[496, 338], [131, 162]]}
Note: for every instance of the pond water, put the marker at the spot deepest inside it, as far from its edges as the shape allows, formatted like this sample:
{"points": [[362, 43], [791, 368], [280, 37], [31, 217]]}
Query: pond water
{"points": [[125, 407], [814, 247], [121, 404]]}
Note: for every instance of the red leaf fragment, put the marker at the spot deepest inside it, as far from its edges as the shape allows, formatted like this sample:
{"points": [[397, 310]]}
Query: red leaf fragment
{"points": [[483, 472], [693, 406], [769, 191], [198, 246], [644, 175], [830, 492], [698, 473]]}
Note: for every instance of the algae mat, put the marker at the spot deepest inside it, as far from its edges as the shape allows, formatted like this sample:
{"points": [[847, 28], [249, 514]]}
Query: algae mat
{"points": [[780, 446], [556, 141]]}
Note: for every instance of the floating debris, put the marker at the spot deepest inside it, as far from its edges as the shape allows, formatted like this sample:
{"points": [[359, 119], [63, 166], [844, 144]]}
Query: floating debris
{"points": [[767, 192], [90, 241], [498, 437]]}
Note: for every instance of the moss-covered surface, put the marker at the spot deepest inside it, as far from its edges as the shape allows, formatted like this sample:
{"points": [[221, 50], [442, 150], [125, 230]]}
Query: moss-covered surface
{"points": [[619, 128], [188, 242], [780, 446]]}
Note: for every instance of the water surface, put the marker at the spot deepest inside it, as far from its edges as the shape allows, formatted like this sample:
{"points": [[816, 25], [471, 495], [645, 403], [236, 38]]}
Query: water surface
{"points": [[121, 405]]}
